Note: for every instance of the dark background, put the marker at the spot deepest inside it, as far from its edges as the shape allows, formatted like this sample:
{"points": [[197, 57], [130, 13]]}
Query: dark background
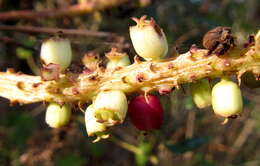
{"points": [[189, 136]]}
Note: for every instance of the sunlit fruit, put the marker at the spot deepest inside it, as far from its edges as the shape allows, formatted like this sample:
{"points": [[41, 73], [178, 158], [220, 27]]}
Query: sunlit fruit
{"points": [[148, 39], [227, 99]]}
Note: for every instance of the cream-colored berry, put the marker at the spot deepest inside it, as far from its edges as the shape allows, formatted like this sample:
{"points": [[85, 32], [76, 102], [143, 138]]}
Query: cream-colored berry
{"points": [[110, 107], [57, 116], [57, 50], [227, 99], [148, 39], [93, 127]]}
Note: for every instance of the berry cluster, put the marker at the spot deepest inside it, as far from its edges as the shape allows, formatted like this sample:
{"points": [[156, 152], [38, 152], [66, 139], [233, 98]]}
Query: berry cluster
{"points": [[109, 107]]}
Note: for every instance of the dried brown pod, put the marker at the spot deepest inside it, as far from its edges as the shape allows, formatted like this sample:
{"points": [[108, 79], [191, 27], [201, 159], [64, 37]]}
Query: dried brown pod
{"points": [[218, 40]]}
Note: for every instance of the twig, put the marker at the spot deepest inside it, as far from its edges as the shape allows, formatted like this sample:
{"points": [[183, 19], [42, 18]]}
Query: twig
{"points": [[33, 66], [30, 29], [242, 138], [78, 9], [140, 76], [126, 145], [190, 125]]}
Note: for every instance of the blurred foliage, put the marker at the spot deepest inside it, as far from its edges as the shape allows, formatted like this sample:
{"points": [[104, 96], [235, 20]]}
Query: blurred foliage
{"points": [[188, 144], [189, 137], [143, 157]]}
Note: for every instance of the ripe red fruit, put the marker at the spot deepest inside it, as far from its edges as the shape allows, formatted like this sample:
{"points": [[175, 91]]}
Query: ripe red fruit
{"points": [[146, 115]]}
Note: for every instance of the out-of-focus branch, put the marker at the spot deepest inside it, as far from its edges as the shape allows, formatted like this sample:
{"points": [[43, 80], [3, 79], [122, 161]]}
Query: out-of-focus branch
{"points": [[140, 76], [31, 29], [83, 8]]}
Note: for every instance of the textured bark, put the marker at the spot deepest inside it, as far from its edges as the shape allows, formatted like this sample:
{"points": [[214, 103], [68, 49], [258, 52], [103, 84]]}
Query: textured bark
{"points": [[140, 76]]}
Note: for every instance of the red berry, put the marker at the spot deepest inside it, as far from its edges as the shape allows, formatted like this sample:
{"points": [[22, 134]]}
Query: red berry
{"points": [[146, 115]]}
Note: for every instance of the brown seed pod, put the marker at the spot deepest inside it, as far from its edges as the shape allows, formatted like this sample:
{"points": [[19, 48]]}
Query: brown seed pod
{"points": [[218, 40]]}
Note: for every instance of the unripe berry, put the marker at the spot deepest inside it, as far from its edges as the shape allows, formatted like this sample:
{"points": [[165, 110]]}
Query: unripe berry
{"points": [[257, 44], [110, 107], [117, 59], [58, 51], [57, 116], [148, 39], [93, 127], [146, 113], [201, 93], [227, 99]]}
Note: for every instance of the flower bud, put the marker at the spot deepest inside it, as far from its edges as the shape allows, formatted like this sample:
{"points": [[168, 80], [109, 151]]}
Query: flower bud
{"points": [[57, 116], [146, 113], [56, 50], [93, 127], [201, 93], [227, 99], [91, 60], [110, 107], [117, 59], [257, 44], [148, 39]]}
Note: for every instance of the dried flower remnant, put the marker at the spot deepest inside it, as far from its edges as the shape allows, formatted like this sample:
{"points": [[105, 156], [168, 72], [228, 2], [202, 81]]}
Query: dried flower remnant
{"points": [[218, 40], [50, 72]]}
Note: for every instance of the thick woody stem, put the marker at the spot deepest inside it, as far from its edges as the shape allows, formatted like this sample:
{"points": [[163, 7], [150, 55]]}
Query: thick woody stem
{"points": [[140, 76]]}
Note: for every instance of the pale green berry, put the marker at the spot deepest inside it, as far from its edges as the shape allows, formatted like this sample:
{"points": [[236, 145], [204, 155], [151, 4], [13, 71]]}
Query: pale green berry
{"points": [[58, 51], [148, 39], [201, 93], [227, 99], [110, 107], [117, 59], [93, 127], [57, 116], [257, 44]]}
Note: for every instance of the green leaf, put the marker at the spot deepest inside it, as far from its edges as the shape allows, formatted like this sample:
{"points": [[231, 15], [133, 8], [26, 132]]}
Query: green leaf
{"points": [[188, 144]]}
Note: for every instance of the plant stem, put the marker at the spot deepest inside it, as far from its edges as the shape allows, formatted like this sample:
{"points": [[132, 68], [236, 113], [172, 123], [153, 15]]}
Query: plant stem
{"points": [[140, 76]]}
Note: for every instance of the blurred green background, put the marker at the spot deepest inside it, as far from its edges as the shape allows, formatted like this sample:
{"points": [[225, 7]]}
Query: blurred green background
{"points": [[189, 136]]}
